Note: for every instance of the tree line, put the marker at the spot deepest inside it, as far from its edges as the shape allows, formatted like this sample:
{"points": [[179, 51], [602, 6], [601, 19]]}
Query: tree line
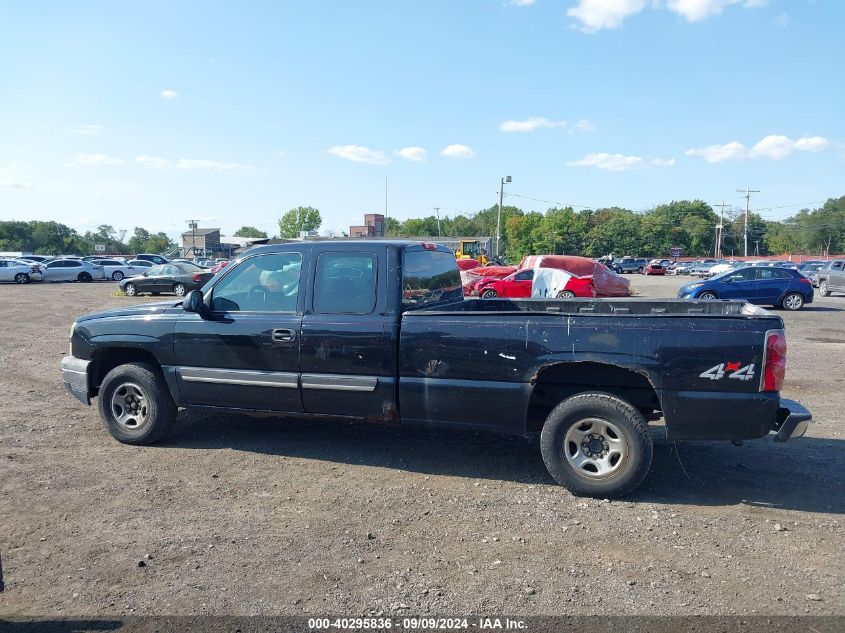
{"points": [[689, 224], [54, 238]]}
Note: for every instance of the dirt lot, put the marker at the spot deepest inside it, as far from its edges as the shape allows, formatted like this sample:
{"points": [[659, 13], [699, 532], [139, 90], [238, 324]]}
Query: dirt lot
{"points": [[239, 515]]}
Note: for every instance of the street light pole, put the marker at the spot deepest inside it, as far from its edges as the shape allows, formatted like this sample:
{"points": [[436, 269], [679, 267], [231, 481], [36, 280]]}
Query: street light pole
{"points": [[499, 217], [437, 211]]}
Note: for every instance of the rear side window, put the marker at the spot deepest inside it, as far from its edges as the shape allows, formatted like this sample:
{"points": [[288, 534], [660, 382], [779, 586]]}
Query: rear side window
{"points": [[837, 266], [345, 283], [430, 277]]}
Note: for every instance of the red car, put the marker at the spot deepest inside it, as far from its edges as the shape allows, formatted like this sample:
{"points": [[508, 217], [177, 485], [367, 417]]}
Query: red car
{"points": [[519, 285], [219, 267], [655, 267]]}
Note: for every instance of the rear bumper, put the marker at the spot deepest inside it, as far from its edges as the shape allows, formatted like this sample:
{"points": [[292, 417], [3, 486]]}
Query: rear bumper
{"points": [[792, 420], [75, 377]]}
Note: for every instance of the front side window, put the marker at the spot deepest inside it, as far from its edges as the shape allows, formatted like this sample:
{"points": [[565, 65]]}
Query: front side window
{"points": [[837, 266], [264, 283], [154, 271], [525, 275], [345, 283], [430, 277], [745, 274]]}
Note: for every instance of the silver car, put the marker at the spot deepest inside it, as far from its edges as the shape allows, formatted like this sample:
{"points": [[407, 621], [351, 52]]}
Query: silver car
{"points": [[72, 270], [117, 269], [19, 271]]}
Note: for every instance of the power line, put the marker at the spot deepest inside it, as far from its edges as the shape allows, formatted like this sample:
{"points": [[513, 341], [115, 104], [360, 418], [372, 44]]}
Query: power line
{"points": [[560, 204]]}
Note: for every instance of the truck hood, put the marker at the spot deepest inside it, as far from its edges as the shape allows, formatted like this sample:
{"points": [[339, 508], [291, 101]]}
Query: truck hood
{"points": [[136, 310]]}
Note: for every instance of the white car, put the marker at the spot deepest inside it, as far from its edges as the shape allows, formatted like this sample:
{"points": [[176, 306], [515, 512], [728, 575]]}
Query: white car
{"points": [[117, 269], [20, 272], [72, 270]]}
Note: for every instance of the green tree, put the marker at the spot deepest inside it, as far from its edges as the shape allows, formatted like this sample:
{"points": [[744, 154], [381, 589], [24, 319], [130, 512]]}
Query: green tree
{"points": [[250, 231], [299, 219], [392, 227]]}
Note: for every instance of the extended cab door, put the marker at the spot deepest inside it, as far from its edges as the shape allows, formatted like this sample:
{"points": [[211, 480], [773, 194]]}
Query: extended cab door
{"points": [[348, 358], [245, 352], [837, 275]]}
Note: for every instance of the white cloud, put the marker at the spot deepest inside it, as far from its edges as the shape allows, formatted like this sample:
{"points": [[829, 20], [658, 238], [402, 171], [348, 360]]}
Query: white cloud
{"points": [[457, 151], [594, 15], [96, 159], [782, 20], [169, 94], [608, 162], [583, 125], [359, 154], [663, 162], [521, 3], [719, 153], [13, 184], [198, 164], [413, 153], [773, 147], [86, 130], [530, 124]]}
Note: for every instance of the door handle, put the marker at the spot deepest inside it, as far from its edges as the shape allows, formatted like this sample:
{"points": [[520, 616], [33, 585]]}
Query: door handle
{"points": [[281, 335]]}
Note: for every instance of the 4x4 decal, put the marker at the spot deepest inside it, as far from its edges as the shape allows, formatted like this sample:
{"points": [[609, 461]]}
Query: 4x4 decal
{"points": [[733, 370]]}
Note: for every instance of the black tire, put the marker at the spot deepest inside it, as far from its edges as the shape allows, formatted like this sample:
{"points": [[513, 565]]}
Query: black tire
{"points": [[158, 410], [823, 289], [85, 277], [131, 289], [180, 290], [21, 278], [573, 413], [566, 294], [117, 275], [708, 295], [640, 270], [792, 301], [489, 294]]}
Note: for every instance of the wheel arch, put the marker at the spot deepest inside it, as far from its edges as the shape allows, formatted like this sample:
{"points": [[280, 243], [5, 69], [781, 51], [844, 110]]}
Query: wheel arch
{"points": [[554, 383], [103, 361]]}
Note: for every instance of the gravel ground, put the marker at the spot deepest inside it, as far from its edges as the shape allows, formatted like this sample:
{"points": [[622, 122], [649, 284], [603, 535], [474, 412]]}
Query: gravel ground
{"points": [[241, 515]]}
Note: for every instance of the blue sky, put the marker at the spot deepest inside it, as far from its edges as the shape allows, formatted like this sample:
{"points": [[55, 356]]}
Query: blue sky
{"points": [[151, 113]]}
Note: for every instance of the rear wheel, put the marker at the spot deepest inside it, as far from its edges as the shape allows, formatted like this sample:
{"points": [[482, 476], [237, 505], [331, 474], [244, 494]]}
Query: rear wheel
{"points": [[130, 290], [566, 294], [180, 290], [793, 301], [596, 444], [21, 278], [823, 289], [708, 296], [640, 270], [489, 294], [135, 405], [117, 275], [85, 277]]}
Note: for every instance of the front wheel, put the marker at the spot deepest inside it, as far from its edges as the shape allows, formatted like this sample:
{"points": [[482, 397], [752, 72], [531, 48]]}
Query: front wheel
{"points": [[708, 296], [793, 301], [21, 278], [596, 445], [640, 270], [130, 289], [117, 275], [566, 294], [135, 405], [489, 294], [823, 289], [179, 290], [85, 277]]}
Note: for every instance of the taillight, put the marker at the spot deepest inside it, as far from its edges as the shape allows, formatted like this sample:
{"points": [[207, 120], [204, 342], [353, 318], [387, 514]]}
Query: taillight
{"points": [[197, 277], [804, 280], [774, 363]]}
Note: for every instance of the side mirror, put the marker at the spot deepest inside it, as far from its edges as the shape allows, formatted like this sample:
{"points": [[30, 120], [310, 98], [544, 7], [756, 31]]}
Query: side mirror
{"points": [[194, 302]]}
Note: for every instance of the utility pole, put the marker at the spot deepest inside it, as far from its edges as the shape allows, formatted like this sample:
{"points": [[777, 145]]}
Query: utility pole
{"points": [[747, 193], [437, 211], [192, 224], [499, 217], [720, 228]]}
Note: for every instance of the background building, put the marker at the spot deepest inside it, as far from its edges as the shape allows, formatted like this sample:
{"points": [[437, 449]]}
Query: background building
{"points": [[201, 242], [373, 226]]}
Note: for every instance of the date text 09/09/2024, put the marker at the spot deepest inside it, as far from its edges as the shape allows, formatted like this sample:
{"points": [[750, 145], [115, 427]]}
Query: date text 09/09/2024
{"points": [[417, 624]]}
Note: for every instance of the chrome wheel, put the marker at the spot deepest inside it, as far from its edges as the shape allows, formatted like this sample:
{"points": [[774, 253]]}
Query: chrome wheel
{"points": [[595, 448], [489, 294], [793, 301], [21, 278], [566, 294], [117, 275], [823, 291], [130, 406], [707, 296], [130, 290], [179, 290]]}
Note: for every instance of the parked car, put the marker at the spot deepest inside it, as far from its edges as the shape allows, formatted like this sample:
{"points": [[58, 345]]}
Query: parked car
{"points": [[701, 270], [72, 270], [176, 278], [723, 267], [630, 265], [219, 266], [520, 285], [37, 258], [19, 271], [655, 267], [152, 257], [831, 278], [140, 263], [379, 331], [765, 285], [810, 271], [117, 269]]}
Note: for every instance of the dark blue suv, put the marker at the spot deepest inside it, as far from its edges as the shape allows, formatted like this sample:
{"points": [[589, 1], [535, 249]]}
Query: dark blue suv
{"points": [[776, 286]]}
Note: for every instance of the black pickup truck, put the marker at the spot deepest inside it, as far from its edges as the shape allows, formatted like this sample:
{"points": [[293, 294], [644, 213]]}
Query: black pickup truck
{"points": [[379, 331]]}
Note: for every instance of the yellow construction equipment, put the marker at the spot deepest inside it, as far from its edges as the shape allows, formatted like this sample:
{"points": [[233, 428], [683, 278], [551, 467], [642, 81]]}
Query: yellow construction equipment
{"points": [[471, 249]]}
